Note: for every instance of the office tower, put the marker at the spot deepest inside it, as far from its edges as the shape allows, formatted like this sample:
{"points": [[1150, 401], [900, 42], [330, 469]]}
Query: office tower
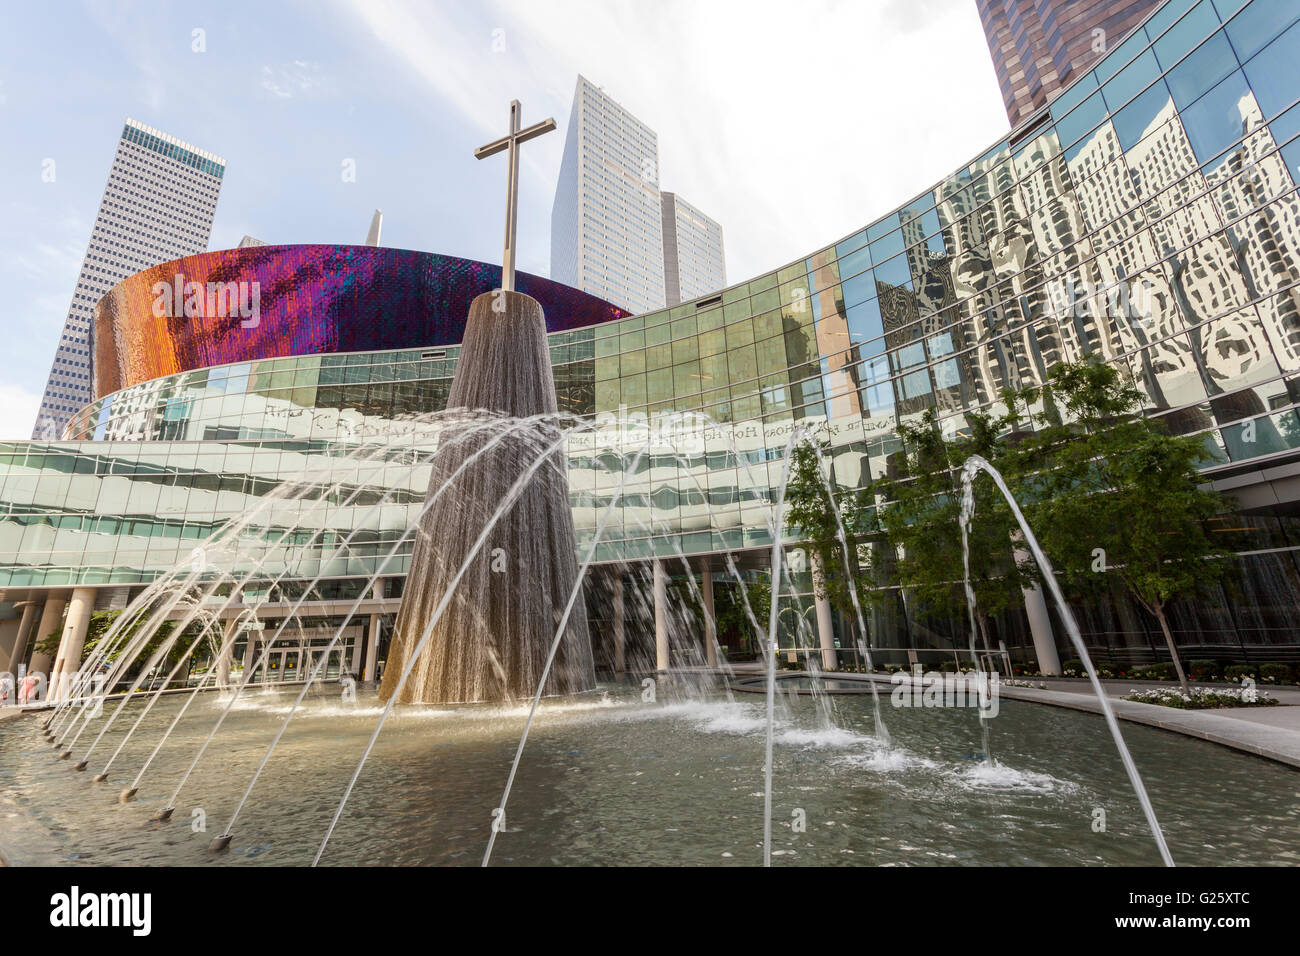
{"points": [[1040, 46], [372, 234], [158, 205], [606, 231], [694, 264]]}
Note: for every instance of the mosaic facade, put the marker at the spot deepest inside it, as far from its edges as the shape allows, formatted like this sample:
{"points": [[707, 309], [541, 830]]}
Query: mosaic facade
{"points": [[267, 301]]}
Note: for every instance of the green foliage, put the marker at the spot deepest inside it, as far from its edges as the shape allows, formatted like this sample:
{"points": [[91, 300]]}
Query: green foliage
{"points": [[1203, 670], [102, 621], [729, 607], [1275, 673], [1235, 672], [1162, 671], [1201, 698], [1112, 496], [49, 644], [810, 514], [920, 519]]}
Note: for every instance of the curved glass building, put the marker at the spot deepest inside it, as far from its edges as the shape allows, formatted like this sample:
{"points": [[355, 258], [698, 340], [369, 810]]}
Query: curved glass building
{"points": [[1149, 216]]}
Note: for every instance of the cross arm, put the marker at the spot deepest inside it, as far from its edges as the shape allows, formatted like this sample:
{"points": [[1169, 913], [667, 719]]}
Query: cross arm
{"points": [[523, 136]]}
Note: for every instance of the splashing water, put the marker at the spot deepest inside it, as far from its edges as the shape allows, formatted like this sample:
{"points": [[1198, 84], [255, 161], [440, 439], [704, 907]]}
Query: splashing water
{"points": [[975, 464]]}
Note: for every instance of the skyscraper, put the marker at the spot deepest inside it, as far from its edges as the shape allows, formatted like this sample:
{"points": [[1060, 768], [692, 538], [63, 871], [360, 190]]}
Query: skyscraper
{"points": [[1039, 46], [694, 264], [606, 229], [158, 205]]}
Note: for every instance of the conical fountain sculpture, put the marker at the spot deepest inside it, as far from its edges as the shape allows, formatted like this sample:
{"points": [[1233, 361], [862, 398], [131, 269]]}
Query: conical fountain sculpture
{"points": [[492, 641]]}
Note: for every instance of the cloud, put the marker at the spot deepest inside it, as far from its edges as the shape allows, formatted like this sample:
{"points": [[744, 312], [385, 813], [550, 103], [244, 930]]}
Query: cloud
{"points": [[792, 126], [18, 408], [288, 80]]}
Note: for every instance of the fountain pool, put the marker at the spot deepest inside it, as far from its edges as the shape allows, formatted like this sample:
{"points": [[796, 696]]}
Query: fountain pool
{"points": [[609, 779]]}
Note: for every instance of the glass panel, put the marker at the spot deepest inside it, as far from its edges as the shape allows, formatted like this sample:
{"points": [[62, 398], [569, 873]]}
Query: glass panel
{"points": [[1143, 114], [1131, 80], [1082, 120], [1077, 92], [1118, 58], [1273, 72], [1254, 27], [1215, 121], [1199, 23], [1208, 65]]}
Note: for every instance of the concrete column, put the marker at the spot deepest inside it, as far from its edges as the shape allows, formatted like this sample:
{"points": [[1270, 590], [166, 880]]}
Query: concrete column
{"points": [[825, 622], [18, 652], [74, 638], [661, 617], [51, 615], [358, 652], [372, 637], [710, 619], [620, 633], [9, 638], [250, 654], [222, 663], [1040, 624]]}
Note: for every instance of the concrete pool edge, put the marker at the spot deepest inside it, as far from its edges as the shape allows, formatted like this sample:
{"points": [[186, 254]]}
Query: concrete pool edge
{"points": [[1277, 744]]}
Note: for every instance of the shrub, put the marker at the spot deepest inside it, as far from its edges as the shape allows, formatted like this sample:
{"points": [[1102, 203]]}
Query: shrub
{"points": [[1275, 673], [1203, 670], [1074, 664], [948, 667], [1235, 672], [1162, 671]]}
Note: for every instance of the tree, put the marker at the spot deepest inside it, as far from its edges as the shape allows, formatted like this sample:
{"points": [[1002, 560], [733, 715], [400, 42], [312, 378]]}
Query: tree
{"points": [[1111, 494], [730, 609], [920, 518], [811, 517], [102, 621]]}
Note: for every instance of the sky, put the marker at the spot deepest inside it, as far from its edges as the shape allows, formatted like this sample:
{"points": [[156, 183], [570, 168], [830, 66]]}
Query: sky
{"points": [[792, 123]]}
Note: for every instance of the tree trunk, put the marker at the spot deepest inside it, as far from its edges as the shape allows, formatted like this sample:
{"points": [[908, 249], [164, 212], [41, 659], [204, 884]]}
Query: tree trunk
{"points": [[1159, 612], [984, 633]]}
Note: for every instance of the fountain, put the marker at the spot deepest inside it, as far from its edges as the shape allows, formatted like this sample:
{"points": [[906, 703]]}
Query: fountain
{"points": [[692, 744], [974, 465], [492, 642], [493, 622]]}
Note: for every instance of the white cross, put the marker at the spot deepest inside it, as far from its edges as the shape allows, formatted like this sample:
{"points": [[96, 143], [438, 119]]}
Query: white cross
{"points": [[511, 142]]}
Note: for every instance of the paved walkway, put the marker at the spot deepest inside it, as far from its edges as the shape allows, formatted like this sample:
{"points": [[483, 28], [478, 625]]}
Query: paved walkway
{"points": [[1271, 732]]}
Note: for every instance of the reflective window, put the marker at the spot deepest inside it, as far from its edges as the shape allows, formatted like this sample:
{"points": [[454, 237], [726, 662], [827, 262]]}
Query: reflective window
{"points": [[1178, 41], [1272, 72], [1216, 120], [1142, 115], [1208, 65], [1081, 120], [1259, 23]]}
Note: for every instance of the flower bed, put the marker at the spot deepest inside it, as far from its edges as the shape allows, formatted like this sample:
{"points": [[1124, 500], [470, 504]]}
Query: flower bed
{"points": [[1201, 698]]}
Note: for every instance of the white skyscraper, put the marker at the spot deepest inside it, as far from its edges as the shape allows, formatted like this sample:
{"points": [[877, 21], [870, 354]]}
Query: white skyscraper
{"points": [[694, 264], [158, 205], [606, 229]]}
